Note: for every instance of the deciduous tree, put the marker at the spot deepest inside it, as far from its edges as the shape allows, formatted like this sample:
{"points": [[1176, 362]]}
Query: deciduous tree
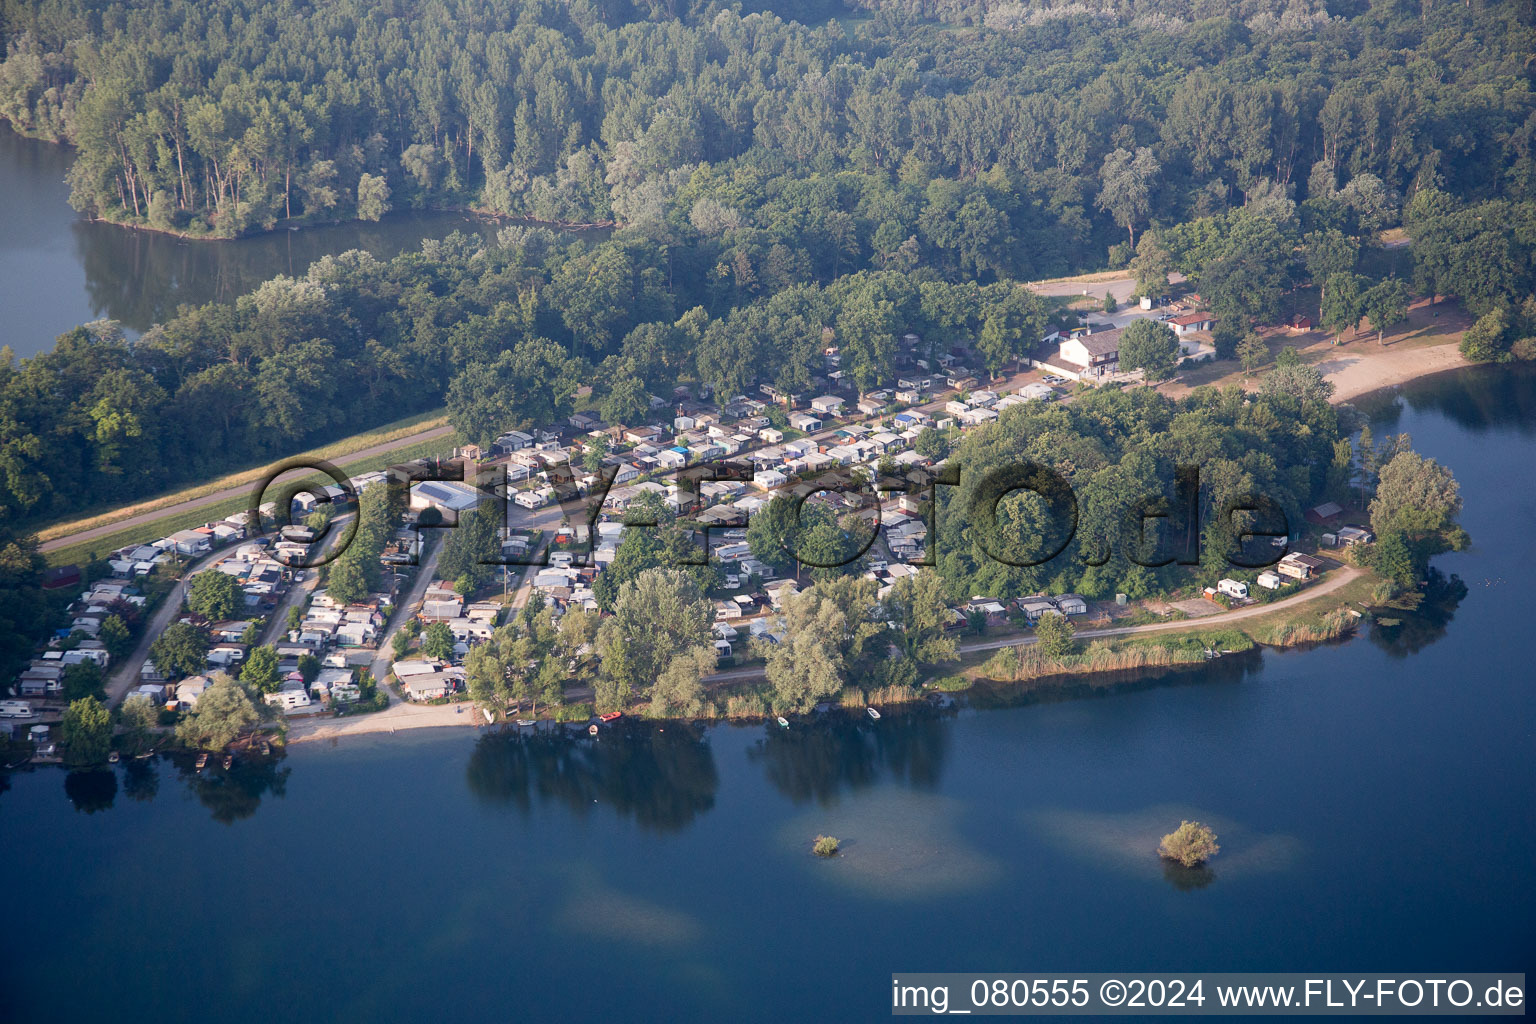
{"points": [[85, 732], [1252, 352], [182, 650], [1150, 346], [659, 615], [1416, 497], [437, 641], [221, 715], [1385, 305], [139, 719], [1055, 636], [215, 595], [1127, 181], [1191, 844]]}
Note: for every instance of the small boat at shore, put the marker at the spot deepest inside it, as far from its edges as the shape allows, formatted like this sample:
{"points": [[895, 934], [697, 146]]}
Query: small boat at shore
{"points": [[872, 712], [525, 722], [592, 729], [783, 722], [612, 716], [202, 761], [229, 761], [113, 757]]}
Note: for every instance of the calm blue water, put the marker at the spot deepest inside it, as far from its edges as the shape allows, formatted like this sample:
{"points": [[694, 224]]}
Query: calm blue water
{"points": [[1375, 808], [58, 270]]}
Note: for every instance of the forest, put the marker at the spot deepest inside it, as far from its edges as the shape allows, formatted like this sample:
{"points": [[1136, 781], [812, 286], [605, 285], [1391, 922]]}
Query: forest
{"points": [[1016, 138], [1119, 452], [510, 330]]}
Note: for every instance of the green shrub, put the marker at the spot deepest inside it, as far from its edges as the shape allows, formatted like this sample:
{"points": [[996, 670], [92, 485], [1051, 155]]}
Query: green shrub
{"points": [[951, 684], [573, 712], [825, 846]]}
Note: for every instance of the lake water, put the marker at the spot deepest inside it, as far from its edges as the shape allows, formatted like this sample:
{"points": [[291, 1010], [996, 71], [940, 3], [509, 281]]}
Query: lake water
{"points": [[1374, 800], [58, 270]]}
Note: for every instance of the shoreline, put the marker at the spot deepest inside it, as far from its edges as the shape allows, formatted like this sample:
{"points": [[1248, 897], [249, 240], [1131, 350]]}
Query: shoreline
{"points": [[1367, 375], [300, 224], [403, 715]]}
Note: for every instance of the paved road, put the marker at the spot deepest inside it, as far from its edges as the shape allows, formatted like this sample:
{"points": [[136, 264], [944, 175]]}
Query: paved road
{"points": [[1120, 287], [126, 676], [227, 494], [404, 609]]}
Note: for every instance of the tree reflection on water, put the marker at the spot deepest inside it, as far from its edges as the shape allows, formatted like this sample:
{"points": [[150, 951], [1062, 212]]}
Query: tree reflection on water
{"points": [[91, 790], [1188, 879], [233, 794], [1411, 631], [141, 779], [662, 775], [821, 757]]}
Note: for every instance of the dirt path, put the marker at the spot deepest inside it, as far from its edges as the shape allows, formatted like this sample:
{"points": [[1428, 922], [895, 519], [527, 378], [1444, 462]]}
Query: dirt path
{"points": [[228, 493], [399, 716], [1342, 576], [1094, 285]]}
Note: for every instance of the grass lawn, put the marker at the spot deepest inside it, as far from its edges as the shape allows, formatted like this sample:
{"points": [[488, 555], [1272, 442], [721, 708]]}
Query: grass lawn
{"points": [[334, 452], [1095, 277], [171, 522]]}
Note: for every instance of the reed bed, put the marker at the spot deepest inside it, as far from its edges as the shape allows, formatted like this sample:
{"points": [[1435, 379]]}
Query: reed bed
{"points": [[1330, 627], [1027, 663]]}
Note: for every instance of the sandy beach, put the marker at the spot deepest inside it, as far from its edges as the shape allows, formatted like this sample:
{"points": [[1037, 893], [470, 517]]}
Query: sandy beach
{"points": [[1427, 344], [1358, 373], [399, 716]]}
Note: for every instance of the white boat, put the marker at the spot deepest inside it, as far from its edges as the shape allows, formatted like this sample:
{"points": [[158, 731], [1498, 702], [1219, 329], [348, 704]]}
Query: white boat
{"points": [[873, 712], [783, 722], [525, 721]]}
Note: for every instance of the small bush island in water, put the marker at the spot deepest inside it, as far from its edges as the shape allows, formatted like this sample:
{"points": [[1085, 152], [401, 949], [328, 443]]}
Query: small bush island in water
{"points": [[1191, 844]]}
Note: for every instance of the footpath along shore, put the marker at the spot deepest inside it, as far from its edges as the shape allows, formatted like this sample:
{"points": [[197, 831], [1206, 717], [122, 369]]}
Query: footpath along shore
{"points": [[400, 715]]}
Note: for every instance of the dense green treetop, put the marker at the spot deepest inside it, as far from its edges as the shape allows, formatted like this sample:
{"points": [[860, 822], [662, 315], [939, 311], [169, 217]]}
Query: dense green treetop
{"points": [[226, 115], [1114, 449]]}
